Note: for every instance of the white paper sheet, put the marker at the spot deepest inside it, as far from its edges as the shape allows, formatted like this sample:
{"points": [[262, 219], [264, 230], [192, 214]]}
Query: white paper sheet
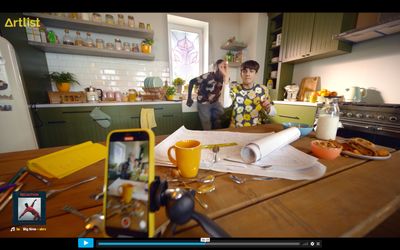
{"points": [[287, 162]]}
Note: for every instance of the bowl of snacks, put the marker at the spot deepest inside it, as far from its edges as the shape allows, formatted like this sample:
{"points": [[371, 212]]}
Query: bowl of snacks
{"points": [[305, 129], [328, 150]]}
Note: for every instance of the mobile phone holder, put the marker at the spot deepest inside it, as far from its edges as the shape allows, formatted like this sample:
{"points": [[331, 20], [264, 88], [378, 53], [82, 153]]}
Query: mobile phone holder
{"points": [[179, 205]]}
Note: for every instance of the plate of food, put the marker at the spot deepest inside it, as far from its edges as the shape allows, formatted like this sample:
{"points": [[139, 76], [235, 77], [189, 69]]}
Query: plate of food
{"points": [[364, 149]]}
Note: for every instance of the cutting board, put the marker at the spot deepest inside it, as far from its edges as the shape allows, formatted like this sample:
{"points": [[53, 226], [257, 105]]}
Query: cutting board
{"points": [[308, 84]]}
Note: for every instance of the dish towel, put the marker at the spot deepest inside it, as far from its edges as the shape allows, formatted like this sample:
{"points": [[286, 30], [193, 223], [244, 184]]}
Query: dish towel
{"points": [[147, 118], [100, 117]]}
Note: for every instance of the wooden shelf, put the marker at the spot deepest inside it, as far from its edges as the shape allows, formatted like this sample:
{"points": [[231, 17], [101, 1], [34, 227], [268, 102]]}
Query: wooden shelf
{"points": [[234, 64], [79, 50], [234, 46], [89, 26]]}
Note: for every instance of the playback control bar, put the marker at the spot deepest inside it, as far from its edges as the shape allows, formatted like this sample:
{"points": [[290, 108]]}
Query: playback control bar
{"points": [[207, 243]]}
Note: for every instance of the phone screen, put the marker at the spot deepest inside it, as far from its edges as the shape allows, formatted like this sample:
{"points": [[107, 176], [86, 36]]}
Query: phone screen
{"points": [[129, 170]]}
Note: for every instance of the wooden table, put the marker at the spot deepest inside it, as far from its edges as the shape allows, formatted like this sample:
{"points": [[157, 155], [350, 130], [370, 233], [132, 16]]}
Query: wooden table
{"points": [[351, 199]]}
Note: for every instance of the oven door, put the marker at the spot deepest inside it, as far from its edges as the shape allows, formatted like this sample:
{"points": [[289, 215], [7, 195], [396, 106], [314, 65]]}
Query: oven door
{"points": [[383, 136]]}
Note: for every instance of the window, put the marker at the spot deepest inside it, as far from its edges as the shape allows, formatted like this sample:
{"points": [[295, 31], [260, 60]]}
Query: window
{"points": [[188, 47]]}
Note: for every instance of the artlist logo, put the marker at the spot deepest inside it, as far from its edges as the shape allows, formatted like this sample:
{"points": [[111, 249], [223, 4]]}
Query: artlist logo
{"points": [[22, 22]]}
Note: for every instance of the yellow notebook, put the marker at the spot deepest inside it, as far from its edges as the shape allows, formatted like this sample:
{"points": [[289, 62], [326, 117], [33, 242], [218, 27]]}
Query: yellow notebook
{"points": [[67, 161]]}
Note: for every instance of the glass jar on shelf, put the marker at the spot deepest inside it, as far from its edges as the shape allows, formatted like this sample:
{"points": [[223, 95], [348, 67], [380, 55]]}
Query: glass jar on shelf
{"points": [[99, 43], [78, 39], [110, 46], [135, 47], [131, 21], [127, 46], [328, 119], [67, 39], [148, 27], [88, 41], [121, 21], [85, 16], [132, 95], [96, 17], [110, 19], [118, 44]]}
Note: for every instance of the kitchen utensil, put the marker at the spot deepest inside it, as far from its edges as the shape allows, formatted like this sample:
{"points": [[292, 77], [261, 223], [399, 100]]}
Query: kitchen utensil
{"points": [[261, 166], [308, 84], [52, 192], [215, 150], [205, 179], [240, 180], [93, 223], [93, 94]]}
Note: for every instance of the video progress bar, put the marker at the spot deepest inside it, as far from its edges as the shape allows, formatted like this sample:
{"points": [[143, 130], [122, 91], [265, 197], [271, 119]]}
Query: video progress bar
{"points": [[302, 244]]}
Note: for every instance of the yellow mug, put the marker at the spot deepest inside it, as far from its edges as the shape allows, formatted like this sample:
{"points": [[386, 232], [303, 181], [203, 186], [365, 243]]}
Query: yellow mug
{"points": [[188, 154], [126, 190]]}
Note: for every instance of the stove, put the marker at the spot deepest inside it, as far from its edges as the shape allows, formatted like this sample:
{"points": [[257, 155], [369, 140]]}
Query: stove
{"points": [[379, 123]]}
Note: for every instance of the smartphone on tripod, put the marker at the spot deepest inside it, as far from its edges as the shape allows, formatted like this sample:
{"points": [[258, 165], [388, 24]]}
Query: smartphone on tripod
{"points": [[129, 171]]}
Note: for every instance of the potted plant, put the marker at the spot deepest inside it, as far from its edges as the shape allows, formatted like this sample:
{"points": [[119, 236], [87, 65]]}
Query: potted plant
{"points": [[63, 80], [171, 90], [146, 45], [178, 83]]}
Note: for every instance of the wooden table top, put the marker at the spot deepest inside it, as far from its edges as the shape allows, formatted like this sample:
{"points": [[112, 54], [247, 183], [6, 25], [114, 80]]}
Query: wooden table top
{"points": [[351, 199]]}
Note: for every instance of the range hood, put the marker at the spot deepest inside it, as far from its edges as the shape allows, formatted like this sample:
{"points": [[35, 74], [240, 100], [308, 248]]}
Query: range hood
{"points": [[378, 25]]}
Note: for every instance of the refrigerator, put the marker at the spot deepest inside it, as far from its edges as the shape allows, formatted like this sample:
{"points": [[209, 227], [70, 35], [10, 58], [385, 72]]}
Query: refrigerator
{"points": [[16, 128]]}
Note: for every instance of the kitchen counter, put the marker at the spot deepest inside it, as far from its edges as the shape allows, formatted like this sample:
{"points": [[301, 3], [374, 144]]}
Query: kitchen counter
{"points": [[96, 104], [298, 103]]}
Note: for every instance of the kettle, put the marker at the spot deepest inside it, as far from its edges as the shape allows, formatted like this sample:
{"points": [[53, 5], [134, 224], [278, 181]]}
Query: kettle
{"points": [[354, 94], [93, 94]]}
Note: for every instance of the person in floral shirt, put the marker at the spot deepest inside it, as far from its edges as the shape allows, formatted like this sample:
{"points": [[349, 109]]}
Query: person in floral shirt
{"points": [[210, 85], [249, 99]]}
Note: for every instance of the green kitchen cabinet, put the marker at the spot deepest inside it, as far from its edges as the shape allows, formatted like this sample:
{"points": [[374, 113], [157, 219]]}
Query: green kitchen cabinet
{"points": [[58, 126], [168, 118], [191, 120], [309, 36], [294, 113]]}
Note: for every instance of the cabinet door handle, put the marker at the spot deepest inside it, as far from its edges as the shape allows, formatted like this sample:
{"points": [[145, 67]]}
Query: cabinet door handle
{"points": [[292, 117], [56, 122], [308, 54], [135, 117], [158, 108], [168, 115], [76, 112], [102, 119], [303, 55]]}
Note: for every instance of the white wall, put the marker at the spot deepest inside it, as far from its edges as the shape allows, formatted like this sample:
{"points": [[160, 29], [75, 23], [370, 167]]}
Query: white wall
{"points": [[373, 64], [253, 30], [122, 74]]}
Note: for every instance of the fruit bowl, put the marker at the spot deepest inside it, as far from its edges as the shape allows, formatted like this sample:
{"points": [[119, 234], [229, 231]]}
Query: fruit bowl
{"points": [[325, 149], [305, 129]]}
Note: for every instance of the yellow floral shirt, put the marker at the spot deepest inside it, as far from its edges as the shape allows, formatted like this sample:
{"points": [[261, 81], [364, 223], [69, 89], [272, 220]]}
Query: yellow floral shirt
{"points": [[247, 105]]}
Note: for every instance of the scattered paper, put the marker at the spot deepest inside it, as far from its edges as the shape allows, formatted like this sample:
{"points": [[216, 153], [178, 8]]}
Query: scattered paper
{"points": [[287, 162]]}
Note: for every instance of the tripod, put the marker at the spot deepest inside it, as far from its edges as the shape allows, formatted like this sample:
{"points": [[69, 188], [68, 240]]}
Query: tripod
{"points": [[179, 205]]}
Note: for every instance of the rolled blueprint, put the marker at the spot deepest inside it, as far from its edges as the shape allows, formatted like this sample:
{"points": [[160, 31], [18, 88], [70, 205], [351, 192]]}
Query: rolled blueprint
{"points": [[256, 150]]}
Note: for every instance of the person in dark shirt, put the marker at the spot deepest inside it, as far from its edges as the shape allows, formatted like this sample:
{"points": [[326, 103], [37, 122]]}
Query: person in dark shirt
{"points": [[208, 94]]}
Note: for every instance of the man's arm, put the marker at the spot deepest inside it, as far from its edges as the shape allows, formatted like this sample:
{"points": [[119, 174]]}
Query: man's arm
{"points": [[26, 210], [195, 81], [33, 203]]}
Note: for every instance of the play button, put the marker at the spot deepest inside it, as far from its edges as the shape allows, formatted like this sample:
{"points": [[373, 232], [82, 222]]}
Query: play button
{"points": [[85, 242]]}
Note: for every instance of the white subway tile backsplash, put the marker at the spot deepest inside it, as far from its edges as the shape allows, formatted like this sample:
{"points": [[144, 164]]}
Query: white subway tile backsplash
{"points": [[107, 73]]}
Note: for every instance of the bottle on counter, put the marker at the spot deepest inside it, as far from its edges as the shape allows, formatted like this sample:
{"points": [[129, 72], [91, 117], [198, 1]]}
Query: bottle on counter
{"points": [[78, 39], [67, 39], [328, 119], [88, 41]]}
